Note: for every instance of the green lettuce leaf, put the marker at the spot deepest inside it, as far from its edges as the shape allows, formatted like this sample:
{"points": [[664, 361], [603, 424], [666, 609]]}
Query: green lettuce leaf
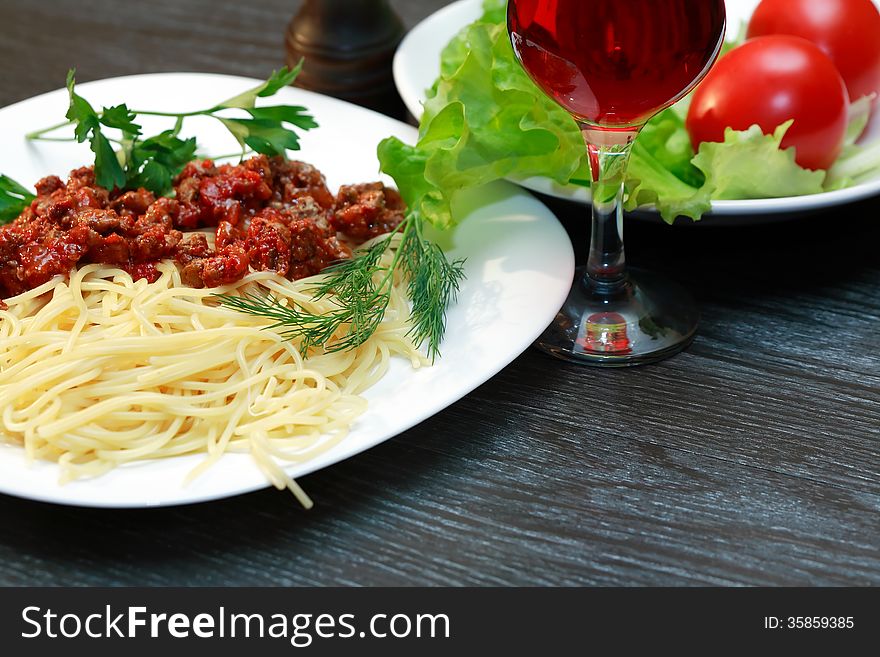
{"points": [[661, 172], [857, 163], [750, 164], [665, 172]]}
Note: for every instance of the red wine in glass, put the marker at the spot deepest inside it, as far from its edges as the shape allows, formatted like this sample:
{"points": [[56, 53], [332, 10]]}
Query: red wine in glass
{"points": [[616, 62], [613, 64]]}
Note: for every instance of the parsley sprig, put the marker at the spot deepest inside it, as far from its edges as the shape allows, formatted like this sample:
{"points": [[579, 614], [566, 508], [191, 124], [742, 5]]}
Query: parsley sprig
{"points": [[360, 290], [153, 162]]}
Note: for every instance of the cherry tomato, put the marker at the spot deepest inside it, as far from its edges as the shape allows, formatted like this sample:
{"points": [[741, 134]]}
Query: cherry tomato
{"points": [[848, 31], [768, 81]]}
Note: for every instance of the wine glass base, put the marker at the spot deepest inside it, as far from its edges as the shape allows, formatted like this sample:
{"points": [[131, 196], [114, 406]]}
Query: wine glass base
{"points": [[650, 319]]}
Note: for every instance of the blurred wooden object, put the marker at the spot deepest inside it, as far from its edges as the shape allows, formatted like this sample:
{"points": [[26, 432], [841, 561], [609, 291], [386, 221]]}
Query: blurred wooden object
{"points": [[348, 46]]}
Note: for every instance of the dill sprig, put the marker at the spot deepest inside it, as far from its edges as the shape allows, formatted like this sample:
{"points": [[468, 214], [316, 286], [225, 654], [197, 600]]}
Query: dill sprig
{"points": [[433, 283], [360, 290]]}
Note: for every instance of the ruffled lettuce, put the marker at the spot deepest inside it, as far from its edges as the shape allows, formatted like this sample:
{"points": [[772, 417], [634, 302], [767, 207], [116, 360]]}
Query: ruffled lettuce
{"points": [[665, 171]]}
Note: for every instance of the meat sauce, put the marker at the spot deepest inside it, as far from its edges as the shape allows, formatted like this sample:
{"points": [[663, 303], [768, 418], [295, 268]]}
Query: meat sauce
{"points": [[267, 214]]}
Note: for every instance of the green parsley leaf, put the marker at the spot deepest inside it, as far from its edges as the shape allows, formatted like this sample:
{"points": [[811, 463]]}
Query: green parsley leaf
{"points": [[263, 136], [278, 80], [108, 171], [154, 177], [155, 162], [237, 130], [119, 116], [80, 111], [166, 148], [293, 114], [14, 198]]}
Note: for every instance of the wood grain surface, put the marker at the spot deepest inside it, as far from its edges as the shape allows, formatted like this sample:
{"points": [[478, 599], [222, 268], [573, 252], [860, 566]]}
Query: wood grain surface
{"points": [[751, 459]]}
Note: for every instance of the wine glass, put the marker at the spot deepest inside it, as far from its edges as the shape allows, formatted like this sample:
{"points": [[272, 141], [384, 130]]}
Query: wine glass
{"points": [[613, 64]]}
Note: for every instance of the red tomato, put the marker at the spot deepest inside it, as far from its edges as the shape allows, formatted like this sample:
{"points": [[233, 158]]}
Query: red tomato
{"points": [[767, 81], [848, 31]]}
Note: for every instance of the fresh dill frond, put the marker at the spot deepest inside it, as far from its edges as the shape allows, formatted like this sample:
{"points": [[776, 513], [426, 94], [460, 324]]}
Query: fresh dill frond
{"points": [[433, 284], [360, 291], [349, 279], [295, 322]]}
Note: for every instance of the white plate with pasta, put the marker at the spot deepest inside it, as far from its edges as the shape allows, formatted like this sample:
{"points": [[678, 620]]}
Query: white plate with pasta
{"points": [[519, 266]]}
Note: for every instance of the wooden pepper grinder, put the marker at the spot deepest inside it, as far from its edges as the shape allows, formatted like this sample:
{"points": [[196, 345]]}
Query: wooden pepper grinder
{"points": [[348, 46]]}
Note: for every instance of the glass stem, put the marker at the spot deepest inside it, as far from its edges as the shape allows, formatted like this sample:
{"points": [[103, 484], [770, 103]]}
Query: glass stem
{"points": [[608, 152]]}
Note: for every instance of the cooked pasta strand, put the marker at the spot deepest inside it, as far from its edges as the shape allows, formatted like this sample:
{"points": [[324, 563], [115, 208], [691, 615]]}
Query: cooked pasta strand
{"points": [[101, 370]]}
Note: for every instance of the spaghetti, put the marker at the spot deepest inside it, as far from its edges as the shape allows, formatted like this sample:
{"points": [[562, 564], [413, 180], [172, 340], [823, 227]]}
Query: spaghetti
{"points": [[103, 369]]}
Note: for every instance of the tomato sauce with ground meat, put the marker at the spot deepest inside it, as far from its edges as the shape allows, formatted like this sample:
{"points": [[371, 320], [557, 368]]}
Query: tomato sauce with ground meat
{"points": [[266, 213]]}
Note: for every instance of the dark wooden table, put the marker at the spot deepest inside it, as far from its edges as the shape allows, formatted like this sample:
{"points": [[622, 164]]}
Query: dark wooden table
{"points": [[753, 458]]}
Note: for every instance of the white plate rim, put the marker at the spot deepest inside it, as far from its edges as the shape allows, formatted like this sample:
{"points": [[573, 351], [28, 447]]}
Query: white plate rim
{"points": [[501, 203]]}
